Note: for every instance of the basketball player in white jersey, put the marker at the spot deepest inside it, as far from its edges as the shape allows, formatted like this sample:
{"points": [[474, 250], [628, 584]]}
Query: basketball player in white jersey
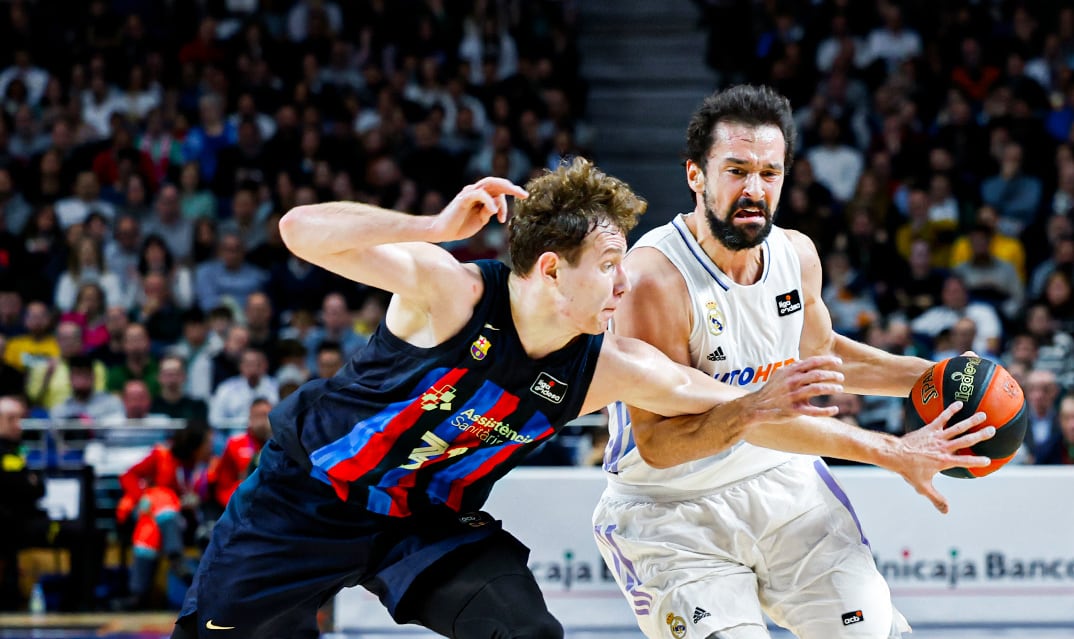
{"points": [[703, 541]]}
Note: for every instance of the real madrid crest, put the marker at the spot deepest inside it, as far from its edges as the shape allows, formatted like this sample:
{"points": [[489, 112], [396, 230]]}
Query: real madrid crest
{"points": [[676, 624], [480, 348], [714, 318]]}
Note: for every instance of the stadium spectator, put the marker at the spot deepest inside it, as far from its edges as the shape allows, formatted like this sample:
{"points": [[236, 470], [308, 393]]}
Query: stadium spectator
{"points": [[329, 359], [86, 402], [115, 324], [1043, 437], [169, 224], [988, 278], [173, 400], [195, 201], [86, 264], [232, 399], [233, 466], [229, 278], [138, 361], [89, 314], [260, 328], [337, 326], [156, 258], [157, 311], [36, 345], [121, 253], [955, 304], [28, 525], [244, 221], [11, 323], [162, 498], [197, 348], [1002, 247], [48, 384], [1015, 194], [1066, 427]]}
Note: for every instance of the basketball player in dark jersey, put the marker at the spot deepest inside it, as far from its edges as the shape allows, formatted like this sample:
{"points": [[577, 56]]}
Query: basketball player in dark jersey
{"points": [[376, 476]]}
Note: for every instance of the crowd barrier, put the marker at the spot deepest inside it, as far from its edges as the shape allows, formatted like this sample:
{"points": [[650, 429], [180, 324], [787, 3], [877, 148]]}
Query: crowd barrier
{"points": [[1004, 555]]}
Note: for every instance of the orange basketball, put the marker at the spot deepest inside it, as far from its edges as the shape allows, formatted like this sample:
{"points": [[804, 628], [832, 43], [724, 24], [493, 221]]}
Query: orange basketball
{"points": [[982, 386]]}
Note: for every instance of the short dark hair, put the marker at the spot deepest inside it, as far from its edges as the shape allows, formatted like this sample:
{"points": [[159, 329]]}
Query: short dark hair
{"points": [[193, 315], [261, 400], [743, 104], [80, 362], [329, 345]]}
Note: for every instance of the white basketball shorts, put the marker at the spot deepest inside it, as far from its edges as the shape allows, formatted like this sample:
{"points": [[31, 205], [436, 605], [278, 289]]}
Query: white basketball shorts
{"points": [[785, 542]]}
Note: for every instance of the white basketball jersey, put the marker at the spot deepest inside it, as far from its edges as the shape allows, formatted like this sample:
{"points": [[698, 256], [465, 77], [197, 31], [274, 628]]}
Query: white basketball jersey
{"points": [[740, 335]]}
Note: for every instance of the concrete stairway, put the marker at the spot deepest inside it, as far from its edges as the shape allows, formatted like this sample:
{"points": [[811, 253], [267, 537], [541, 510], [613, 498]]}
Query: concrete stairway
{"points": [[644, 61]]}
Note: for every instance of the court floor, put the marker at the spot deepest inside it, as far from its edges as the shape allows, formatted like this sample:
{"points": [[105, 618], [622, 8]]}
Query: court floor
{"points": [[919, 633], [158, 626]]}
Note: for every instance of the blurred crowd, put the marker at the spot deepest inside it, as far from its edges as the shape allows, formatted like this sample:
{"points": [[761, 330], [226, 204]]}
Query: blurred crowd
{"points": [[148, 150], [935, 172]]}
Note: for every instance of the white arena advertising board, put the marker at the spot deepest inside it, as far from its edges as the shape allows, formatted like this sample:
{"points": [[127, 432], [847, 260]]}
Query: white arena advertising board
{"points": [[1003, 555]]}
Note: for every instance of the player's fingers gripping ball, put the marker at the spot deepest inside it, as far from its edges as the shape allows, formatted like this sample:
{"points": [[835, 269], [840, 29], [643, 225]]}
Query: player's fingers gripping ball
{"points": [[982, 386]]}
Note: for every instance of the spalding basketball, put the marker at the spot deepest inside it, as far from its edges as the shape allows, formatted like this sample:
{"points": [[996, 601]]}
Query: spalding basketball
{"points": [[982, 386]]}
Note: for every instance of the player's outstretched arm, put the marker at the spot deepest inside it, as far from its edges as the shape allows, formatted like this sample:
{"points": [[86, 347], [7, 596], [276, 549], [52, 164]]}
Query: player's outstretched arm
{"points": [[917, 456], [679, 414], [391, 250]]}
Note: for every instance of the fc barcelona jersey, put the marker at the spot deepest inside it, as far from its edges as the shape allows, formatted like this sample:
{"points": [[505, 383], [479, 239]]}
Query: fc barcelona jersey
{"points": [[402, 428]]}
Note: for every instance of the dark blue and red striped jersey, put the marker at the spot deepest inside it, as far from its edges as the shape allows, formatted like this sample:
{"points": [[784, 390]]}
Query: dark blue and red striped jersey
{"points": [[402, 428]]}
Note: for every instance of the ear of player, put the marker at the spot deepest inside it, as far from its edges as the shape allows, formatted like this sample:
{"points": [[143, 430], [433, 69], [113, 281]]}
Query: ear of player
{"points": [[982, 386]]}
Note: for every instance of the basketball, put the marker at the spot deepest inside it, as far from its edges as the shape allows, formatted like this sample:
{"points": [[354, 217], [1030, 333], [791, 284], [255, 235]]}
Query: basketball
{"points": [[982, 386]]}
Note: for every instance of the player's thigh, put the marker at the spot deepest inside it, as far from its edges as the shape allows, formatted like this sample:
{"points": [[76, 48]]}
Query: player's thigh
{"points": [[482, 590], [850, 599], [680, 565], [820, 579], [271, 556], [704, 604]]}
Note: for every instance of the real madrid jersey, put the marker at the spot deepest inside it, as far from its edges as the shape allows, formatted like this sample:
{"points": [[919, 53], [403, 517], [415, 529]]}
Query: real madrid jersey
{"points": [[402, 428], [740, 334]]}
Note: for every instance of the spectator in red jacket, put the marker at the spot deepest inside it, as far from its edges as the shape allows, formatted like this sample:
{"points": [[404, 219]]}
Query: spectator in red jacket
{"points": [[163, 494], [234, 465]]}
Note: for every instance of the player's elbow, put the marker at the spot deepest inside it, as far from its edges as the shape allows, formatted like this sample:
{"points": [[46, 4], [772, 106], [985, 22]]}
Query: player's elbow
{"points": [[652, 452], [291, 224]]}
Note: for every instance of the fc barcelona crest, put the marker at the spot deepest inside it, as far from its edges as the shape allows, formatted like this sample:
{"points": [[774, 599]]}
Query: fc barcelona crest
{"points": [[480, 348], [714, 319]]}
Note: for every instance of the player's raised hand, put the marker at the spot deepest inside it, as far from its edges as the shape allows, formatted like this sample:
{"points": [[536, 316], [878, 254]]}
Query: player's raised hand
{"points": [[789, 389], [928, 450], [474, 206]]}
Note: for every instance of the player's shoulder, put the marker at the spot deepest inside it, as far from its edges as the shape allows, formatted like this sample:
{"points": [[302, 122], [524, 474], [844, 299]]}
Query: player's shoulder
{"points": [[624, 358], [648, 263], [802, 244], [655, 281]]}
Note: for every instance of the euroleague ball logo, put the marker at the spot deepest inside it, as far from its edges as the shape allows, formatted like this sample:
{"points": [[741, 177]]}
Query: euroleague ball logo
{"points": [[964, 379]]}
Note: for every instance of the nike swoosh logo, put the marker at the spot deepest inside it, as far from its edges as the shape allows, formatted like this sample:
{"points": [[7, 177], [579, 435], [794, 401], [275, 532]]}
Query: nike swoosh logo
{"points": [[212, 626], [491, 327]]}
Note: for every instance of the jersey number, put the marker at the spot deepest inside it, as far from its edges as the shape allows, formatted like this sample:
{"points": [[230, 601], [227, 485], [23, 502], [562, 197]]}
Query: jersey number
{"points": [[435, 447]]}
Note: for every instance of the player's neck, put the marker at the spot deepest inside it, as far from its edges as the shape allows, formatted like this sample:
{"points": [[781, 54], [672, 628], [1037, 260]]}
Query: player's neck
{"points": [[744, 266], [539, 327]]}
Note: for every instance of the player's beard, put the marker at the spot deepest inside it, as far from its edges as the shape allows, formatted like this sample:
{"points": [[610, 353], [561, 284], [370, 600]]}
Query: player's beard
{"points": [[738, 237]]}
